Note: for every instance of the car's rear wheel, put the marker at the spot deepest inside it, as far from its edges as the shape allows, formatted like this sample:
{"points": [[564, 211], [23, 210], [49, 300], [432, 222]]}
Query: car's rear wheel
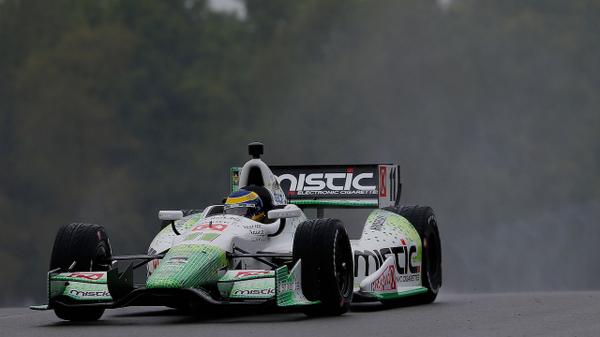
{"points": [[424, 221], [80, 247], [324, 249]]}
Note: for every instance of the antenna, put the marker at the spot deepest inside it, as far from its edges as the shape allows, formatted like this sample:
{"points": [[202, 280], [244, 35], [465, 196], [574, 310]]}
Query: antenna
{"points": [[255, 149]]}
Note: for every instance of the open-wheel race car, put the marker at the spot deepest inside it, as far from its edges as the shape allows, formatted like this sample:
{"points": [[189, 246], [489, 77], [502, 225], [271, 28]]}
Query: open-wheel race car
{"points": [[259, 248]]}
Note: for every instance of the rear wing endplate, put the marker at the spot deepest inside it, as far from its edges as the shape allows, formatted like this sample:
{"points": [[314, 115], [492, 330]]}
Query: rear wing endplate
{"points": [[336, 186]]}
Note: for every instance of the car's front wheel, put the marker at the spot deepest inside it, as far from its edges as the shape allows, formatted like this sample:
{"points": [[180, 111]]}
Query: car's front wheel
{"points": [[424, 221], [324, 249], [80, 247]]}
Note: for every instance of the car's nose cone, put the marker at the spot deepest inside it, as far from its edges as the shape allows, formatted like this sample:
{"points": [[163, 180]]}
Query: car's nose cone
{"points": [[188, 266]]}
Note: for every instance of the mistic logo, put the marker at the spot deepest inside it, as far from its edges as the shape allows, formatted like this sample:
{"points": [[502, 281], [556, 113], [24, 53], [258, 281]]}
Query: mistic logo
{"points": [[333, 181], [81, 293], [267, 291]]}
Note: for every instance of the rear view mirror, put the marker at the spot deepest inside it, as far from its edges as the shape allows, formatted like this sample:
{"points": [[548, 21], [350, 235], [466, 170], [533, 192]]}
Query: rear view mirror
{"points": [[170, 215], [290, 211]]}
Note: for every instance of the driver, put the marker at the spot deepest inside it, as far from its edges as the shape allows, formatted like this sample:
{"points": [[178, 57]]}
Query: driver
{"points": [[245, 203]]}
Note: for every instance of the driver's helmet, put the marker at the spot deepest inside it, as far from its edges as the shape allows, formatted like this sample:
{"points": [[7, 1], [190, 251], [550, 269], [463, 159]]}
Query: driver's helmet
{"points": [[245, 203]]}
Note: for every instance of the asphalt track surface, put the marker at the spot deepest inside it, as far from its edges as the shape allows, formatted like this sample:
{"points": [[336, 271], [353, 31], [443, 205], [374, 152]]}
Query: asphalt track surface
{"points": [[517, 314]]}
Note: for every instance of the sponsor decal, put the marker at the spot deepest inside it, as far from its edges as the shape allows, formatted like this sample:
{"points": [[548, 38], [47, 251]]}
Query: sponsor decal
{"points": [[386, 281], [289, 289], [409, 278], [382, 188], [375, 258], [210, 226], [257, 231], [378, 222], [252, 226], [393, 183], [291, 286], [152, 265], [87, 276], [85, 293], [279, 198], [328, 182], [235, 179], [250, 292], [360, 183], [253, 288]]}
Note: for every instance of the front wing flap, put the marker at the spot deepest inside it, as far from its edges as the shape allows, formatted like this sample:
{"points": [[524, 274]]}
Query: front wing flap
{"points": [[113, 289], [289, 287]]}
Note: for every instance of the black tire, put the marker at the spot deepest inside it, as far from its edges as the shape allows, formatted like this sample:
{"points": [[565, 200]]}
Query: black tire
{"points": [[88, 247], [424, 221], [327, 266]]}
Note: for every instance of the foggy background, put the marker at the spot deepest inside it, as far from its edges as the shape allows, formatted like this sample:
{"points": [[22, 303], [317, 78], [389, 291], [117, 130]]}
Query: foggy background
{"points": [[112, 110]]}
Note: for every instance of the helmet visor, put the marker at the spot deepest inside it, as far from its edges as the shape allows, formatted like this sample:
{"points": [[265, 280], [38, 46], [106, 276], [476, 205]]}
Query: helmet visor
{"points": [[240, 209]]}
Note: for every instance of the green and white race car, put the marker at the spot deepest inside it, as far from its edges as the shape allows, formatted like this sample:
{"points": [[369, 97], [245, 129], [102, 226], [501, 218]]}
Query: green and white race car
{"points": [[209, 257]]}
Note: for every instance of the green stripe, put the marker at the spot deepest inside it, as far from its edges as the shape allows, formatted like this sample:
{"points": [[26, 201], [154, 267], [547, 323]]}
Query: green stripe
{"points": [[390, 296], [340, 203]]}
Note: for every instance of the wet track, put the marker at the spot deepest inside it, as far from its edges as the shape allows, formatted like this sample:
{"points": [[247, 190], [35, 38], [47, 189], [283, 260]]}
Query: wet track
{"points": [[523, 314]]}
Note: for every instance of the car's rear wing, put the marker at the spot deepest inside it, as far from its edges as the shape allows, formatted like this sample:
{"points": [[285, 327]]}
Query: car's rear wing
{"points": [[334, 186]]}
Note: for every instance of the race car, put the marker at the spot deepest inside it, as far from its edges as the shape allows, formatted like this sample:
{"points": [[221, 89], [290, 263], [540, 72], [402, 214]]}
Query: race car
{"points": [[220, 256]]}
